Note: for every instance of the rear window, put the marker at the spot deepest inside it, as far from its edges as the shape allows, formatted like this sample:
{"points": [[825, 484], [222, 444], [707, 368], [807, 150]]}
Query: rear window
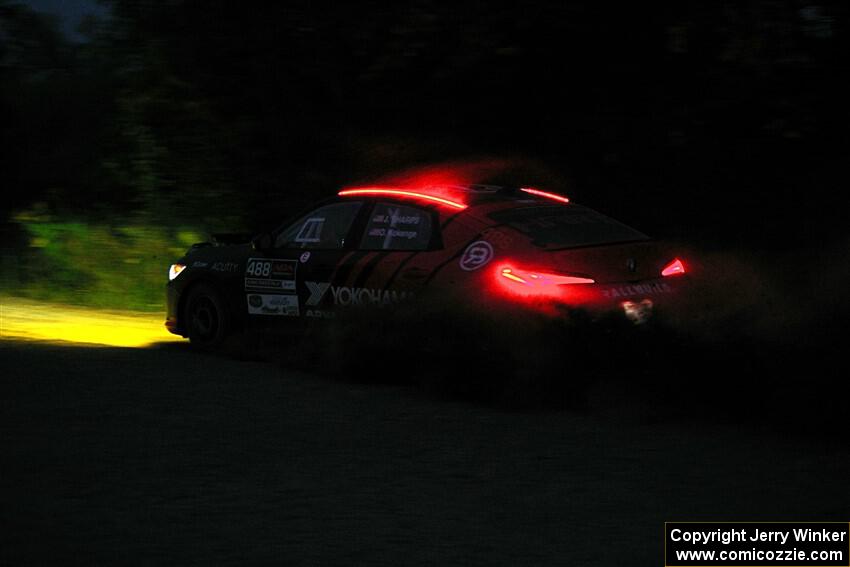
{"points": [[566, 226]]}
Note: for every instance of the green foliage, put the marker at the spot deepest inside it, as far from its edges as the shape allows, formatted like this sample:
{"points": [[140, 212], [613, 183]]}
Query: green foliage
{"points": [[123, 265]]}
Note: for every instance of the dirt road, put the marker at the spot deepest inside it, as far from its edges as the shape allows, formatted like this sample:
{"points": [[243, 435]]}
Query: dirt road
{"points": [[160, 455]]}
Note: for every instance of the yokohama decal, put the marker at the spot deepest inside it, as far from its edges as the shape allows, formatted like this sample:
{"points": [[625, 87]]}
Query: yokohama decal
{"points": [[345, 296], [317, 291]]}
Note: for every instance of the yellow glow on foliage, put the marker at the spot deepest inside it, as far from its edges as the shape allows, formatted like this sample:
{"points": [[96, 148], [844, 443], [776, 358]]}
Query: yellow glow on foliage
{"points": [[26, 319]]}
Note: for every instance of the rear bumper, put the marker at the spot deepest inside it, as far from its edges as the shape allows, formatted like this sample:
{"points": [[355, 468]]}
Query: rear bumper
{"points": [[616, 292], [637, 301]]}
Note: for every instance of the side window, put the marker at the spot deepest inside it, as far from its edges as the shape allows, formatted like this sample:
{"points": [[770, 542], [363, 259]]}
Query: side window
{"points": [[322, 229], [397, 227]]}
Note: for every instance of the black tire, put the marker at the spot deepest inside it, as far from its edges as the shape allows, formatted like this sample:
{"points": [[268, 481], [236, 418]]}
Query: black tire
{"points": [[207, 320]]}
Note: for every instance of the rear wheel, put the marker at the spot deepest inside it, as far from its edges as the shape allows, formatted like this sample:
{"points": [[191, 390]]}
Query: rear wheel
{"points": [[206, 317]]}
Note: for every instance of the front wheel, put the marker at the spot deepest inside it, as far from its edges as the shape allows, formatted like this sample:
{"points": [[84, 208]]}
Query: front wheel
{"points": [[206, 318]]}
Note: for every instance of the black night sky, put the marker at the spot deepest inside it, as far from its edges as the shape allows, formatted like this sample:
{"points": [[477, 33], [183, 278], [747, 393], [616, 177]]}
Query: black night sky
{"points": [[683, 117]]}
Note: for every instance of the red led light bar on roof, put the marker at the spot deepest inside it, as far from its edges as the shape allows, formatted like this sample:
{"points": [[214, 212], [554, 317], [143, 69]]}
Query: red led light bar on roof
{"points": [[539, 193], [402, 193]]}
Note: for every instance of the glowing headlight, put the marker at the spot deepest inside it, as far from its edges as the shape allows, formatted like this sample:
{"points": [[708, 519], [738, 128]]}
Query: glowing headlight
{"points": [[175, 270]]}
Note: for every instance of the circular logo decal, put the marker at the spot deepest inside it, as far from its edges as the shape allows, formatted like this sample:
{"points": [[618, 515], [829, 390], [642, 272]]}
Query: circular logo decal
{"points": [[304, 257], [476, 255], [255, 301]]}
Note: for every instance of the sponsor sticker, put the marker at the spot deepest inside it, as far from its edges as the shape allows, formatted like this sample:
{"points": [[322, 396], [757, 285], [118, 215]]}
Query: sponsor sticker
{"points": [[266, 274], [345, 296], [317, 291], [654, 288], [273, 304], [320, 314], [225, 267], [476, 255]]}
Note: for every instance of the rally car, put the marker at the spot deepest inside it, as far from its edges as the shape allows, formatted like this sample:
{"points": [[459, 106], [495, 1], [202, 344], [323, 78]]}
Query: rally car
{"points": [[376, 247]]}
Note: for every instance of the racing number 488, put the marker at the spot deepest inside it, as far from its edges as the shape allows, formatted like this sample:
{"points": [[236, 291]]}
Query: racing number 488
{"points": [[257, 268]]}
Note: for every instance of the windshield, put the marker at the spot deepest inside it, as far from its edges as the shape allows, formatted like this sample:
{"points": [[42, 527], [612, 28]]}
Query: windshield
{"points": [[566, 226]]}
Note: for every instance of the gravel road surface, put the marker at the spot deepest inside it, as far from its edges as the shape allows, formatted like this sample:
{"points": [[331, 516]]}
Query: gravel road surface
{"points": [[160, 455]]}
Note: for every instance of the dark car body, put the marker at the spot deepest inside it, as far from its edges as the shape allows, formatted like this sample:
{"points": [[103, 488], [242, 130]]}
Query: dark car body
{"points": [[376, 247]]}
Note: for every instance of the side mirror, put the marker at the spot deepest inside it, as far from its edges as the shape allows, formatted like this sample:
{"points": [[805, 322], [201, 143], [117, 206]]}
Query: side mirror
{"points": [[262, 242]]}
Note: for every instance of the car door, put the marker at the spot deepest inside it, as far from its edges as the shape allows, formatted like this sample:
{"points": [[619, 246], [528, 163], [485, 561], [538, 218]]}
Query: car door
{"points": [[394, 237], [290, 279]]}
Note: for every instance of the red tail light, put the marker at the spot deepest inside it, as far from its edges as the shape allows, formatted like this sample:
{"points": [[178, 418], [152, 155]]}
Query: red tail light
{"points": [[531, 285], [539, 290], [673, 268], [540, 279]]}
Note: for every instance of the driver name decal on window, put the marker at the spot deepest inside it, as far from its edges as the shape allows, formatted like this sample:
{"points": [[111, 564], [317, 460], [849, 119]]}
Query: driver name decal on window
{"points": [[394, 218], [397, 227], [390, 233]]}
